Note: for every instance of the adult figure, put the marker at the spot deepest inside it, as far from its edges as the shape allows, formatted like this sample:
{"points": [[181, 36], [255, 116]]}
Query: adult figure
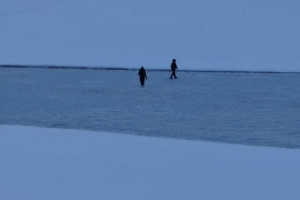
{"points": [[173, 68], [143, 76]]}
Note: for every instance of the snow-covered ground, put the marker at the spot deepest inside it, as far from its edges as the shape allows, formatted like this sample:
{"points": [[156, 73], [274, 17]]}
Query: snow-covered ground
{"points": [[201, 34], [39, 163]]}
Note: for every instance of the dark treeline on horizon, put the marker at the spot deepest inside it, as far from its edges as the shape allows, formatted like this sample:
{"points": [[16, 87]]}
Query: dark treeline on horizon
{"points": [[136, 69]]}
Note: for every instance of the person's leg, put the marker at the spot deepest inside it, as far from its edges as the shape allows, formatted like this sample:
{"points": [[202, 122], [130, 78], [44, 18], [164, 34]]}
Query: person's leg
{"points": [[173, 74], [142, 80]]}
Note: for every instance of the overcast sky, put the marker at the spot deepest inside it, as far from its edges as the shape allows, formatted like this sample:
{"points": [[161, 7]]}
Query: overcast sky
{"points": [[200, 34]]}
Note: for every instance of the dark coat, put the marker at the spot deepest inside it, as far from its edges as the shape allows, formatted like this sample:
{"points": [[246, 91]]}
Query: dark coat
{"points": [[173, 66], [142, 73]]}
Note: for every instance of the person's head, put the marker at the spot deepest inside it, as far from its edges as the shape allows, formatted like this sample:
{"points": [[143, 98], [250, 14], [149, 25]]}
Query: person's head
{"points": [[174, 60], [142, 67]]}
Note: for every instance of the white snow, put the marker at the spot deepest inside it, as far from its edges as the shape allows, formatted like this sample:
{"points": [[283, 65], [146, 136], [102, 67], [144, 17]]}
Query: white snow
{"points": [[200, 34], [40, 163]]}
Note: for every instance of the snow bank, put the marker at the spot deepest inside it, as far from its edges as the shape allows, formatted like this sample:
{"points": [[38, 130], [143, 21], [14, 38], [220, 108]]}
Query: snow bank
{"points": [[209, 35], [39, 163]]}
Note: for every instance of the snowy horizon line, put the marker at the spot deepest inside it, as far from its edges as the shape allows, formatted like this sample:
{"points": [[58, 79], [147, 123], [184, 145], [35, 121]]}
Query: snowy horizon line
{"points": [[135, 69]]}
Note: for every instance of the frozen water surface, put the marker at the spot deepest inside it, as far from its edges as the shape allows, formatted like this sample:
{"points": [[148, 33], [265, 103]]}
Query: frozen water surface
{"points": [[246, 108]]}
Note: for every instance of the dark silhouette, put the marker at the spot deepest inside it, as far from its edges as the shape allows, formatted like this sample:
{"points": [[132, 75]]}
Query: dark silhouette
{"points": [[173, 68], [143, 75]]}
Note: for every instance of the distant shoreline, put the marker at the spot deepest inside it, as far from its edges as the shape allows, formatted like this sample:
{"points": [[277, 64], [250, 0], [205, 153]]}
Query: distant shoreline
{"points": [[135, 69]]}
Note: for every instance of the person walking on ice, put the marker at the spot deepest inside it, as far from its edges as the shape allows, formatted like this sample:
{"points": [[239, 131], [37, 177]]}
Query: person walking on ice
{"points": [[143, 76], [173, 68]]}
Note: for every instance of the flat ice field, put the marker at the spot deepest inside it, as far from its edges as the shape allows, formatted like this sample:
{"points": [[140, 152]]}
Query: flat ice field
{"points": [[258, 109], [40, 163]]}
